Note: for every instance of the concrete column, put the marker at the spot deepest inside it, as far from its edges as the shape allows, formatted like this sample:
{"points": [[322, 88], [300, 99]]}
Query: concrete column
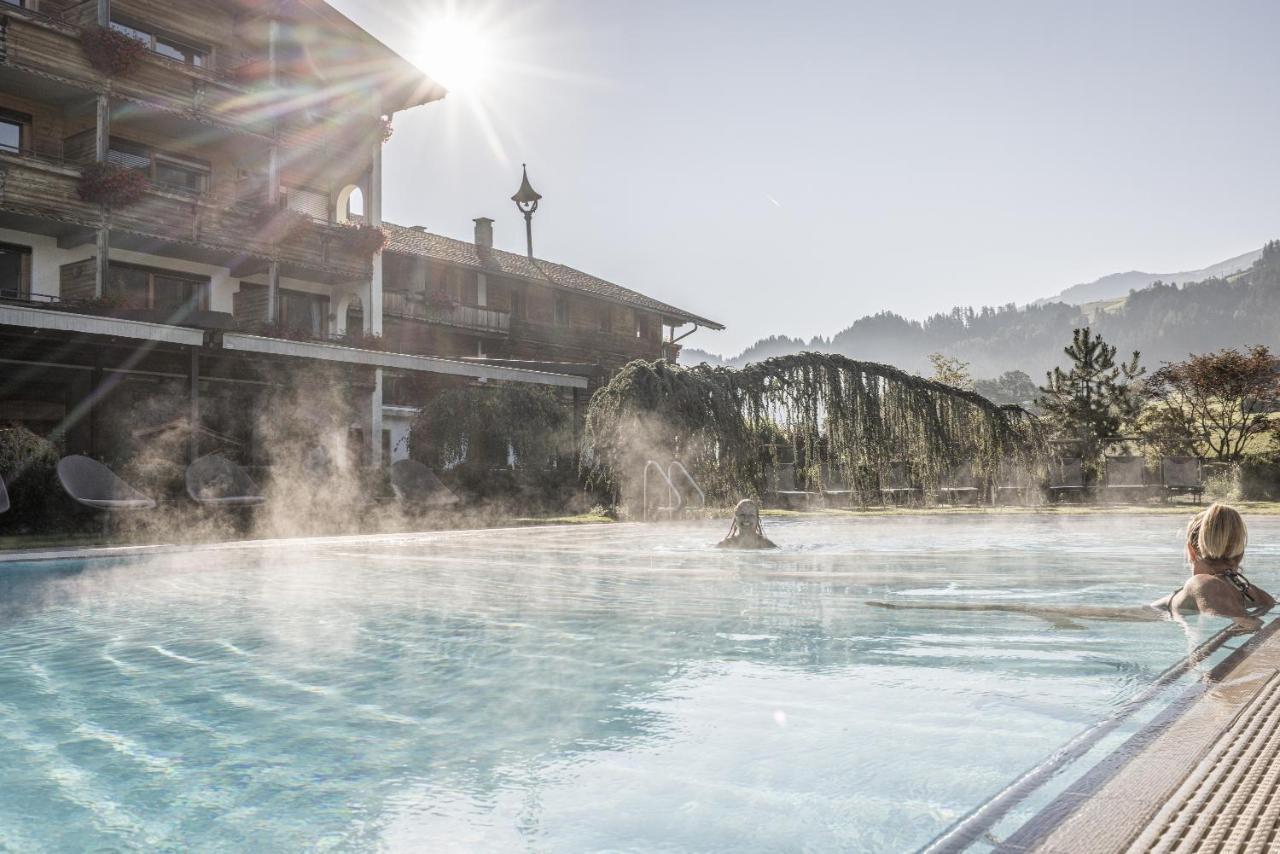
{"points": [[482, 289], [195, 405], [104, 13], [373, 211], [375, 421], [273, 291]]}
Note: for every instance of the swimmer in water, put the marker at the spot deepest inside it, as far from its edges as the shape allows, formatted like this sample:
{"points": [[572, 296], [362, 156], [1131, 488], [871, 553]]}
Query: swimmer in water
{"points": [[1216, 539], [746, 531]]}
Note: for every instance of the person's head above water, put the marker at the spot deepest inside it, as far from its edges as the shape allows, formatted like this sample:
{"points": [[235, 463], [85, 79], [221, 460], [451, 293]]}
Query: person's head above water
{"points": [[746, 519], [1216, 538]]}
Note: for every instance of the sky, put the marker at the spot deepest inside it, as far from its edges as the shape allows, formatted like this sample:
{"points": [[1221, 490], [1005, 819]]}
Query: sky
{"points": [[785, 168]]}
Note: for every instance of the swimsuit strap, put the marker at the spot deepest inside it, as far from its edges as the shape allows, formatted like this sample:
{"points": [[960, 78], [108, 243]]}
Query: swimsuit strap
{"points": [[1239, 582]]}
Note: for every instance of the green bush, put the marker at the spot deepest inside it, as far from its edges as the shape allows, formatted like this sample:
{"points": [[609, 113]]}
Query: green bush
{"points": [[28, 464]]}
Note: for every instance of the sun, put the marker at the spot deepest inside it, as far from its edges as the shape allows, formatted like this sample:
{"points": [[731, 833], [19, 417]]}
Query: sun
{"points": [[456, 50]]}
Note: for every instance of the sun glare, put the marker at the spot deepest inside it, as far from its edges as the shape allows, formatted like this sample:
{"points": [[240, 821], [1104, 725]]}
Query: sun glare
{"points": [[456, 51]]}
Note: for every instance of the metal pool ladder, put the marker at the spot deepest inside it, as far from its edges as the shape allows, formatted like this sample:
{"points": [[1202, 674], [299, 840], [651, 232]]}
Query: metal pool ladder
{"points": [[675, 498]]}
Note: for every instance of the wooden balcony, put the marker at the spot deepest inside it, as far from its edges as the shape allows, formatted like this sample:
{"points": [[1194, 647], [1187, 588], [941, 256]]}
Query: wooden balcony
{"points": [[468, 317], [171, 223], [586, 341], [50, 49]]}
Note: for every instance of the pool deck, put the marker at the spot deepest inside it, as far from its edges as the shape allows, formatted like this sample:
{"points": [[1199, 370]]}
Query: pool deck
{"points": [[1204, 776]]}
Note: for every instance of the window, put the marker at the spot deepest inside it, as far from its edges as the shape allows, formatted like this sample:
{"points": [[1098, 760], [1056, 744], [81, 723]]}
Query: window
{"points": [[176, 49], [313, 203], [642, 326], [517, 304], [14, 130], [15, 271], [133, 155], [143, 288], [606, 318], [181, 174], [562, 311], [305, 313]]}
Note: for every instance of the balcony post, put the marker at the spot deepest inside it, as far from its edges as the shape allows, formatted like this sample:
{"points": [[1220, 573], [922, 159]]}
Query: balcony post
{"points": [[102, 151], [104, 13], [273, 290]]}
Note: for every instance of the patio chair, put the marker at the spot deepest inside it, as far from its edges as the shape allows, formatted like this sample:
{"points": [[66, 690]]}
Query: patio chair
{"points": [[417, 486], [1125, 474], [1066, 477], [92, 484], [782, 479], [835, 486], [1012, 482], [896, 482], [1182, 476], [215, 481], [959, 483]]}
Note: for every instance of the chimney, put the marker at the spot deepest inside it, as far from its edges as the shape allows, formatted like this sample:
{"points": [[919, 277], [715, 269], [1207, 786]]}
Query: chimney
{"points": [[484, 232]]}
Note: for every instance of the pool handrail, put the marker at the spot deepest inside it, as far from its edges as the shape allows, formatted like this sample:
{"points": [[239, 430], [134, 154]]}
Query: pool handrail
{"points": [[978, 822], [673, 495], [678, 466]]}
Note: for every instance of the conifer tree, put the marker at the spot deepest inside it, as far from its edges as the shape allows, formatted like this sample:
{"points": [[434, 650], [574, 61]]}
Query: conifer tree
{"points": [[1097, 397]]}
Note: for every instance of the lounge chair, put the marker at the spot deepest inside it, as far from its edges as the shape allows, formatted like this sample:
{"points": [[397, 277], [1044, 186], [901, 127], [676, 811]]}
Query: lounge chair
{"points": [[783, 486], [1182, 476], [1125, 474], [92, 484], [4, 497], [416, 485], [1013, 481], [896, 483], [215, 481], [959, 483], [835, 487], [1066, 477]]}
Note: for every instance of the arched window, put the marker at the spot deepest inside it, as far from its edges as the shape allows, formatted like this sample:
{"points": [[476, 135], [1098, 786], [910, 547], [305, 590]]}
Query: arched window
{"points": [[350, 203]]}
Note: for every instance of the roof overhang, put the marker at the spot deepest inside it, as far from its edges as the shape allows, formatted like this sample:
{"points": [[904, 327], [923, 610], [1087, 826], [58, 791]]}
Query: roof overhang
{"points": [[160, 333]]}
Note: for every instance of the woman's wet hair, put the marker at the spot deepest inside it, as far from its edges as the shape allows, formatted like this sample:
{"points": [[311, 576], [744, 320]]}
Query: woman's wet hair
{"points": [[734, 530], [1218, 536]]}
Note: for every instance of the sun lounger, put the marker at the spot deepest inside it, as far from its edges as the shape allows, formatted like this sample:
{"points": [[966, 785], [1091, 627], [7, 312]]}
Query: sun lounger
{"points": [[92, 484], [415, 485], [896, 482], [215, 481], [1013, 483], [958, 484], [1125, 474], [783, 486], [1182, 476], [1066, 477]]}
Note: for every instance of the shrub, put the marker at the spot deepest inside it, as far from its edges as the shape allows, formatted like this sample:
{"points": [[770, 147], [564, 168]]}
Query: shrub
{"points": [[111, 52], [111, 184], [28, 464], [385, 130]]}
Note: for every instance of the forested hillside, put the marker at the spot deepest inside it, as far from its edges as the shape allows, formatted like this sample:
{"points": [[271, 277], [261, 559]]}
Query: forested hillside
{"points": [[1164, 322]]}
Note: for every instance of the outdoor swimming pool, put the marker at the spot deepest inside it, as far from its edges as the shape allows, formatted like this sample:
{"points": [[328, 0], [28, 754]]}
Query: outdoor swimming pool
{"points": [[568, 689]]}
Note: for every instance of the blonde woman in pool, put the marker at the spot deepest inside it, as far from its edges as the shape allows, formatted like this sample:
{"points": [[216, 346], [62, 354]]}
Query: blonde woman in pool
{"points": [[1216, 540], [746, 532]]}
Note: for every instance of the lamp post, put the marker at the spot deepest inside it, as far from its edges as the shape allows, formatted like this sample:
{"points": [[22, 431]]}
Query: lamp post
{"points": [[526, 199]]}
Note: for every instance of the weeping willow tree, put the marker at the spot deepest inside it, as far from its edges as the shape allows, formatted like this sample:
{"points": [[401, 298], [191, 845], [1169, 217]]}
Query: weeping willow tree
{"points": [[830, 421], [492, 425]]}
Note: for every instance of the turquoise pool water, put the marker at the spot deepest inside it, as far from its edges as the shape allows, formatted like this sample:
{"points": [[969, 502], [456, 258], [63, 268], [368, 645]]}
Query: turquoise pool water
{"points": [[618, 688]]}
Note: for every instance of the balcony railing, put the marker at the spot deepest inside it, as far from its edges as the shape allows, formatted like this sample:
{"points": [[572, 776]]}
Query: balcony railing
{"points": [[416, 307], [46, 188], [51, 49], [586, 339]]}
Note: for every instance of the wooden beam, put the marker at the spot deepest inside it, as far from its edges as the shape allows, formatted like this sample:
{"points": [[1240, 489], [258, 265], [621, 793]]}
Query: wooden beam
{"points": [[77, 237], [102, 263]]}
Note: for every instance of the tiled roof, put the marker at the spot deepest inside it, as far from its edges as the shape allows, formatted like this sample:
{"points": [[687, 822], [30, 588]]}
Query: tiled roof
{"points": [[412, 241]]}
